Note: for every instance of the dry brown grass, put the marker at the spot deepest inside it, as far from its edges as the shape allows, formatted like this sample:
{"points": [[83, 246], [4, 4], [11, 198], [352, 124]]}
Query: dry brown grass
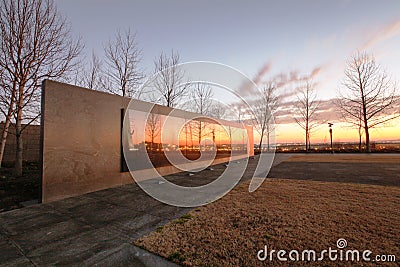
{"points": [[283, 214], [347, 158]]}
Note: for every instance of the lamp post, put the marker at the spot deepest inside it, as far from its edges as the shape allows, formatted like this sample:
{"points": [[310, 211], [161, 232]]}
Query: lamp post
{"points": [[330, 133]]}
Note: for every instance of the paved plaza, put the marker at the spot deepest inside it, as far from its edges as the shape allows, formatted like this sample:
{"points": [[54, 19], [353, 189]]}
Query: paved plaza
{"points": [[100, 227]]}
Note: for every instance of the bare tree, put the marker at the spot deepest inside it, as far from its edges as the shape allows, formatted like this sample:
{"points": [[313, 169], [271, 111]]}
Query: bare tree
{"points": [[355, 121], [237, 112], [201, 98], [370, 95], [153, 128], [218, 110], [170, 87], [201, 103], [7, 103], [306, 110], [92, 75], [264, 109], [122, 59], [35, 44]]}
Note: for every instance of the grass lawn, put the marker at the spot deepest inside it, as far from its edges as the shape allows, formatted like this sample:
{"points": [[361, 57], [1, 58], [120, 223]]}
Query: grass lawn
{"points": [[283, 214]]}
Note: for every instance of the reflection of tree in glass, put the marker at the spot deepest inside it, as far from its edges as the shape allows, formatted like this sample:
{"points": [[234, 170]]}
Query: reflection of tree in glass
{"points": [[230, 137], [153, 128], [131, 131], [201, 103], [200, 131]]}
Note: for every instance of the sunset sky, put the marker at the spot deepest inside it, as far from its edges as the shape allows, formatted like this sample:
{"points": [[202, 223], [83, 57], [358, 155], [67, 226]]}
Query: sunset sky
{"points": [[263, 39]]}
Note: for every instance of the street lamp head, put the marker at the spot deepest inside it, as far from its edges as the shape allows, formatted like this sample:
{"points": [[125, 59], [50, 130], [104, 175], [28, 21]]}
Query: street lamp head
{"points": [[330, 124]]}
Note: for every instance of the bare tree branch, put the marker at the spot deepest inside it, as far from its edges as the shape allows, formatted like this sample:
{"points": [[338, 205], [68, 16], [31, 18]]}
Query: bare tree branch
{"points": [[153, 128], [91, 76], [306, 110], [264, 113], [36, 44], [122, 58], [370, 95], [201, 101], [170, 87]]}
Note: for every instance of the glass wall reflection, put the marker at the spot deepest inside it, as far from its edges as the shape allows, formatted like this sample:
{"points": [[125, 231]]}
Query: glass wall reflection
{"points": [[160, 136]]}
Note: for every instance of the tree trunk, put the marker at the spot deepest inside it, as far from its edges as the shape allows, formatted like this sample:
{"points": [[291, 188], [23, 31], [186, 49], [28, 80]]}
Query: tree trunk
{"points": [[4, 136], [18, 132], [199, 135], [367, 142], [191, 137], [268, 145], [307, 139], [19, 146], [7, 123], [260, 145]]}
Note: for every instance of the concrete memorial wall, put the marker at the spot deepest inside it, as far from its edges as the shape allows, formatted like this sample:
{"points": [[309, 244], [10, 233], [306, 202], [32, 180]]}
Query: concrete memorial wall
{"points": [[81, 147]]}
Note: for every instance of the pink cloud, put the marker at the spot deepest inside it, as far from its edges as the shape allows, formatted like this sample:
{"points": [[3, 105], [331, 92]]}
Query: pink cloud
{"points": [[390, 31], [247, 88], [262, 72]]}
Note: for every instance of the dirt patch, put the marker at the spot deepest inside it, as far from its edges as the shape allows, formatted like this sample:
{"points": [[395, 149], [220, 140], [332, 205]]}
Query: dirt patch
{"points": [[14, 190], [282, 214]]}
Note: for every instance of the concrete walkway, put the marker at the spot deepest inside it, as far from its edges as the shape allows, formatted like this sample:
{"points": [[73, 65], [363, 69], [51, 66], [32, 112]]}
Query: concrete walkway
{"points": [[87, 229], [96, 228]]}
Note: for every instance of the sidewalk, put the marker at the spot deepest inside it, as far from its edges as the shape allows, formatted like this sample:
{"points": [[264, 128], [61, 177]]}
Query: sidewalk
{"points": [[95, 228]]}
